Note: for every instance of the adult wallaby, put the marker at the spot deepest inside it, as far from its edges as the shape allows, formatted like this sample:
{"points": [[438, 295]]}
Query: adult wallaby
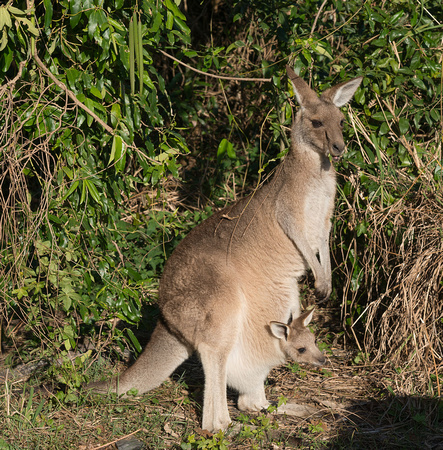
{"points": [[237, 271]]}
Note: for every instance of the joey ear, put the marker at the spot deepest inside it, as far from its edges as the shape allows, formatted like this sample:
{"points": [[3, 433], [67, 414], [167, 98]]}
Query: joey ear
{"points": [[279, 330], [302, 90], [340, 94], [306, 317]]}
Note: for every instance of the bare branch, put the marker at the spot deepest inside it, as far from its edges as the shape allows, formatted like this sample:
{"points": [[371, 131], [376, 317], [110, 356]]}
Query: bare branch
{"points": [[220, 77]]}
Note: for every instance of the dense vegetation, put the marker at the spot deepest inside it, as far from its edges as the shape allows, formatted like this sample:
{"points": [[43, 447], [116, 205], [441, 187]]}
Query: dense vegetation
{"points": [[124, 124]]}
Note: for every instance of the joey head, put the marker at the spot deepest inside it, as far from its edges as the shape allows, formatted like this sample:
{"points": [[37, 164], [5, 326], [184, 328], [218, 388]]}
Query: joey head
{"points": [[297, 342]]}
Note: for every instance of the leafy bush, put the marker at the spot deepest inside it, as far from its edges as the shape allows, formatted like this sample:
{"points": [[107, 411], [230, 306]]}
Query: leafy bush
{"points": [[80, 147], [101, 118]]}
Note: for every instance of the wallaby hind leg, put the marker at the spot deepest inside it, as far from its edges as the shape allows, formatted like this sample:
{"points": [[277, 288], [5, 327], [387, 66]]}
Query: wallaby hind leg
{"points": [[162, 355], [215, 403]]}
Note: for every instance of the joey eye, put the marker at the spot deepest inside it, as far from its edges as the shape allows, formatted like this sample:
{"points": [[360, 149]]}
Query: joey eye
{"points": [[301, 350], [342, 122], [317, 123]]}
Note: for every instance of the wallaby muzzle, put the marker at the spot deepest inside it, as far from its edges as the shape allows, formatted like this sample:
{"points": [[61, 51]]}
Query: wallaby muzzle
{"points": [[335, 149]]}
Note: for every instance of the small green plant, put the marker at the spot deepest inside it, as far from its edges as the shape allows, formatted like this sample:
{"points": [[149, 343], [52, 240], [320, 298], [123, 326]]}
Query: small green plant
{"points": [[296, 368], [317, 427], [360, 358], [71, 374], [215, 442], [326, 373], [255, 429]]}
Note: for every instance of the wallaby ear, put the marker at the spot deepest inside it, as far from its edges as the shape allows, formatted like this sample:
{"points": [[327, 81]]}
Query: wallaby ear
{"points": [[279, 330], [302, 90], [340, 94]]}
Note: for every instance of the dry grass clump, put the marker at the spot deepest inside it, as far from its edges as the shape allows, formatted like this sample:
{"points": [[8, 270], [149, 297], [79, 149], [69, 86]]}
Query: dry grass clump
{"points": [[401, 277], [405, 322]]}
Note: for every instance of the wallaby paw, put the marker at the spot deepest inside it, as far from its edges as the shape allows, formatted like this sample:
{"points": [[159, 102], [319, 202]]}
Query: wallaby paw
{"points": [[293, 409], [323, 292]]}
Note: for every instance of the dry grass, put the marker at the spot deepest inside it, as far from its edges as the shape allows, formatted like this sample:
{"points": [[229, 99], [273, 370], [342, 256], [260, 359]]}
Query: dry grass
{"points": [[404, 323], [399, 296]]}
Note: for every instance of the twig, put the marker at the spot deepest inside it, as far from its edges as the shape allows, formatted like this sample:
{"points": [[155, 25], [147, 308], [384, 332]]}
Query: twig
{"points": [[8, 397], [14, 80], [316, 18], [220, 77], [311, 34], [119, 439], [62, 86]]}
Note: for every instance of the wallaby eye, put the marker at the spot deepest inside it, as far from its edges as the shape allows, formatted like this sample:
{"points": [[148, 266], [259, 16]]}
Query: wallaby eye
{"points": [[342, 122], [317, 123], [301, 350]]}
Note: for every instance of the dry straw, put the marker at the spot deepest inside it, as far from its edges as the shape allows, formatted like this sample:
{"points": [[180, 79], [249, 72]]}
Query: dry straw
{"points": [[401, 269]]}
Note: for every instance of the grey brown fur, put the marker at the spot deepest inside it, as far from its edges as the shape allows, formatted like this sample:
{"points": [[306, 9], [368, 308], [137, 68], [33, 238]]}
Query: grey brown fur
{"points": [[237, 272]]}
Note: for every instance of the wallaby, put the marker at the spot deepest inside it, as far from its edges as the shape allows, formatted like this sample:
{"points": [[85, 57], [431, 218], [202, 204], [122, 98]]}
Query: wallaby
{"points": [[238, 271]]}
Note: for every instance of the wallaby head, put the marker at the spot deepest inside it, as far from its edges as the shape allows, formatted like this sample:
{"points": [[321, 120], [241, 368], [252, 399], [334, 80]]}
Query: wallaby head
{"points": [[319, 123], [297, 341]]}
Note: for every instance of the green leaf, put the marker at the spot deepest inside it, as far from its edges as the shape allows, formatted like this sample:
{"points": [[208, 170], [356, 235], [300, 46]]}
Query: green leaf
{"points": [[92, 189], [5, 18], [134, 340], [16, 11], [48, 13], [21, 292], [96, 20], [94, 91], [116, 153], [117, 25], [174, 9], [226, 147], [3, 44], [31, 28], [66, 302], [68, 171], [382, 116], [90, 104], [71, 190], [73, 75], [419, 83], [116, 114], [93, 22], [169, 20], [403, 125]]}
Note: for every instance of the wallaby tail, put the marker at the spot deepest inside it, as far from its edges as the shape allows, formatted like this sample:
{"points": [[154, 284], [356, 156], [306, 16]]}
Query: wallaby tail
{"points": [[163, 354]]}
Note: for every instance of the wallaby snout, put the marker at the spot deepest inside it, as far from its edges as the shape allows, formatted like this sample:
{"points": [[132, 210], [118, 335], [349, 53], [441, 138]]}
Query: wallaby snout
{"points": [[297, 341], [336, 149]]}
